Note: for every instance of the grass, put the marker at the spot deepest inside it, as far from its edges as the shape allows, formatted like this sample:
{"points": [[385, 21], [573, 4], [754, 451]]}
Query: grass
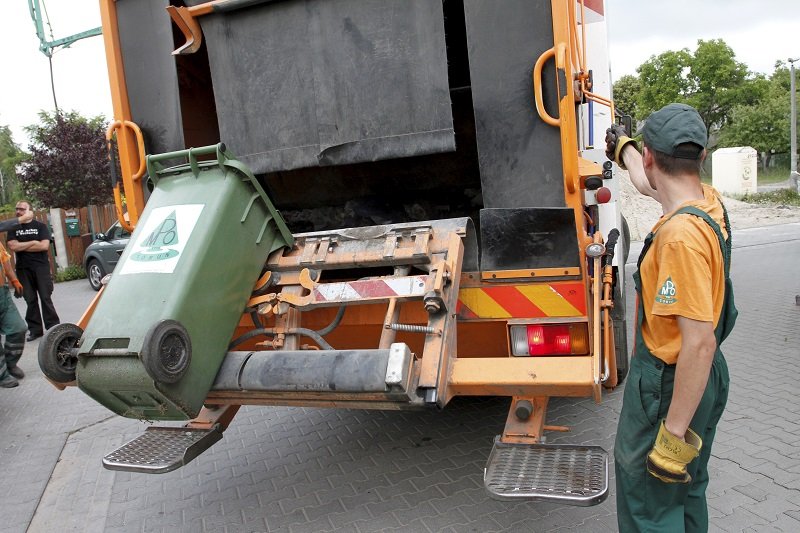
{"points": [[776, 197], [772, 175], [765, 177]]}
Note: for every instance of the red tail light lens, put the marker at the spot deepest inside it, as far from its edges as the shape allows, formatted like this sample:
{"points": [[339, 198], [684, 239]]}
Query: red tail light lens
{"points": [[549, 339]]}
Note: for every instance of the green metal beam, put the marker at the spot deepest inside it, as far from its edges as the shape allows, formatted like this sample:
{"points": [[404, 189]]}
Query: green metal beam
{"points": [[48, 47]]}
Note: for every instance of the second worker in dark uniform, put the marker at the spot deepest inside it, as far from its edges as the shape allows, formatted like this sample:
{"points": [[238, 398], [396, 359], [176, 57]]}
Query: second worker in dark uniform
{"points": [[31, 244]]}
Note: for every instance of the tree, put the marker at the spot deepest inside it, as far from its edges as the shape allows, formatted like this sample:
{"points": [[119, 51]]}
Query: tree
{"points": [[710, 79], [10, 157], [626, 93], [68, 164], [663, 80], [764, 123], [718, 82]]}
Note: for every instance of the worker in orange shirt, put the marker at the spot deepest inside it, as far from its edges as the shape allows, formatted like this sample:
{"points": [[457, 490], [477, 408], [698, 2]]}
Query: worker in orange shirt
{"points": [[678, 381]]}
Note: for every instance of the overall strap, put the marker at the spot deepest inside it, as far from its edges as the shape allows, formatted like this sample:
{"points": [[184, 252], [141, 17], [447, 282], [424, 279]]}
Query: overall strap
{"points": [[728, 313], [725, 244]]}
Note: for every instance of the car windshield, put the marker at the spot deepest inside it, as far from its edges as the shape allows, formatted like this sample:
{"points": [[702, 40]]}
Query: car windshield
{"points": [[117, 232]]}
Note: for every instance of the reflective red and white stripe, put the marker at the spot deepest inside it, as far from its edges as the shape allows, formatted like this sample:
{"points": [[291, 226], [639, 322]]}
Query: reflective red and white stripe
{"points": [[409, 286]]}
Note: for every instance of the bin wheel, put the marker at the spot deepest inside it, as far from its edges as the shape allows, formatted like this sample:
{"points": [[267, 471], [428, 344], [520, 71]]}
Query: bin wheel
{"points": [[167, 351], [57, 355]]}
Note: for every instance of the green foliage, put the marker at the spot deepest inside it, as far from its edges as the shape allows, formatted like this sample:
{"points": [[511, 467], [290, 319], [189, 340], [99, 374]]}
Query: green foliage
{"points": [[739, 108], [663, 80], [68, 164], [70, 273], [717, 82], [709, 79], [763, 122], [10, 157], [626, 91], [776, 198]]}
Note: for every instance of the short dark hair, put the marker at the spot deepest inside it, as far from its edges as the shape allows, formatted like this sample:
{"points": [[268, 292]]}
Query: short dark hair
{"points": [[678, 165]]}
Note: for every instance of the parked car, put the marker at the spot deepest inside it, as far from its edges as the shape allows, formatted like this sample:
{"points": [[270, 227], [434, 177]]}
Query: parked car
{"points": [[103, 254]]}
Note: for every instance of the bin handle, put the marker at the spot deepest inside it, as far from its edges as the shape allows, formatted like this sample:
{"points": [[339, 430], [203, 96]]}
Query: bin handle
{"points": [[154, 166], [112, 128]]}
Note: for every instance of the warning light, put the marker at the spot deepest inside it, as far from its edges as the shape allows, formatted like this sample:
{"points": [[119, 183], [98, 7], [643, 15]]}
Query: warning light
{"points": [[549, 339], [603, 195]]}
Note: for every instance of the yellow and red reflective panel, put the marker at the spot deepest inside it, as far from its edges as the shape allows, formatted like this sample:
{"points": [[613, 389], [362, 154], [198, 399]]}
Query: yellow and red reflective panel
{"points": [[539, 300]]}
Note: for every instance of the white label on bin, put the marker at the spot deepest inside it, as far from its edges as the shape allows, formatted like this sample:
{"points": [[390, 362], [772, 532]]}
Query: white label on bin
{"points": [[160, 243]]}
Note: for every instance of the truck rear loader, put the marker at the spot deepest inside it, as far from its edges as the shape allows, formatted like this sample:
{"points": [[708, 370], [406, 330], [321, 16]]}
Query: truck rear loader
{"points": [[390, 204]]}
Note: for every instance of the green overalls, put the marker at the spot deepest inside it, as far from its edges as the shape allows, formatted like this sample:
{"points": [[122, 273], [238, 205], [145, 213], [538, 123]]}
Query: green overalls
{"points": [[645, 503], [14, 328]]}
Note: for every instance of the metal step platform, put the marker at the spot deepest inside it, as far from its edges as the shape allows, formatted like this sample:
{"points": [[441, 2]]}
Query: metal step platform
{"points": [[161, 449], [574, 475]]}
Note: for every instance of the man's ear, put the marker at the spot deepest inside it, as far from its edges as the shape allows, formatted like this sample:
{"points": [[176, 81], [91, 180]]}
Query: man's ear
{"points": [[647, 157], [703, 155]]}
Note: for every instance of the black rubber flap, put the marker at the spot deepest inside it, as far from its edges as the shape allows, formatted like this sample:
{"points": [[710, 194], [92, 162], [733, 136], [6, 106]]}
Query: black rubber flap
{"points": [[145, 32], [518, 239], [307, 83], [519, 155]]}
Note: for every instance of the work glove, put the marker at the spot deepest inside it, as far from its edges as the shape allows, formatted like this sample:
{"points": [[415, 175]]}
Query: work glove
{"points": [[668, 459], [616, 139], [17, 288]]}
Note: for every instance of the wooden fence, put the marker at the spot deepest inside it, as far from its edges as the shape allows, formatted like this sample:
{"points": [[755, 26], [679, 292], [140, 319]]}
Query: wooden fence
{"points": [[91, 220]]}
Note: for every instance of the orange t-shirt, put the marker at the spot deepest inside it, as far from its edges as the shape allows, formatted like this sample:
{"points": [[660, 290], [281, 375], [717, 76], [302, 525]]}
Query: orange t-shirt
{"points": [[683, 274]]}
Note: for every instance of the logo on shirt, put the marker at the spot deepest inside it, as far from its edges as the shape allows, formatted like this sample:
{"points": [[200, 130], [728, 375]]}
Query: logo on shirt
{"points": [[666, 294]]}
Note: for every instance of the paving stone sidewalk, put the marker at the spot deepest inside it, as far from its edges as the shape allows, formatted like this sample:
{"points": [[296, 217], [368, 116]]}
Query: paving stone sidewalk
{"points": [[313, 470]]}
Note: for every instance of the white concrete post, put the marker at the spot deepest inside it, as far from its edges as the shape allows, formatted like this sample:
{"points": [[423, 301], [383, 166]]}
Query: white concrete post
{"points": [[57, 222]]}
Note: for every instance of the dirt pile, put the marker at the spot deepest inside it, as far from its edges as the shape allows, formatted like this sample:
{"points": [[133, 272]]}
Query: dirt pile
{"points": [[643, 212]]}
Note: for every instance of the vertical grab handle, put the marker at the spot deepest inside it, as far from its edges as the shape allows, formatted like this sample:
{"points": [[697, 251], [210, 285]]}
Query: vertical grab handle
{"points": [[112, 128], [558, 52]]}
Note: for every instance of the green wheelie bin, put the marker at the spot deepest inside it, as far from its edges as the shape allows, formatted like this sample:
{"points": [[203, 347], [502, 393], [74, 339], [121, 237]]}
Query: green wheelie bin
{"points": [[162, 325]]}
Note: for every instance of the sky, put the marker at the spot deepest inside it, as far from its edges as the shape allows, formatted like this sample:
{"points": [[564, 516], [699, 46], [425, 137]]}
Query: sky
{"points": [[760, 32]]}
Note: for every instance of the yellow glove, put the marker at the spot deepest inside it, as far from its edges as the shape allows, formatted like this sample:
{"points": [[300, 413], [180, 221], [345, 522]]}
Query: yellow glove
{"points": [[616, 139], [668, 459]]}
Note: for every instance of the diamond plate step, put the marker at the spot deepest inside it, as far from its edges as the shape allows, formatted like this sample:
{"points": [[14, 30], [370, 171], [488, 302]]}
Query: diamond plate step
{"points": [[574, 475], [161, 449]]}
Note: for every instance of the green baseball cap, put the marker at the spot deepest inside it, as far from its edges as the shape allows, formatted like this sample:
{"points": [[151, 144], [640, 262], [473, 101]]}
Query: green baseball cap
{"points": [[673, 125]]}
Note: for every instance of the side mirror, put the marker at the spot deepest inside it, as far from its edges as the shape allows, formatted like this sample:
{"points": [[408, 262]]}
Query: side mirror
{"points": [[100, 236]]}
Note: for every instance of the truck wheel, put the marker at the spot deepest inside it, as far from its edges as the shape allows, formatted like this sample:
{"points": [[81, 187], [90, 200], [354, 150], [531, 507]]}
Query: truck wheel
{"points": [[57, 357], [620, 334], [626, 237], [95, 273], [167, 351]]}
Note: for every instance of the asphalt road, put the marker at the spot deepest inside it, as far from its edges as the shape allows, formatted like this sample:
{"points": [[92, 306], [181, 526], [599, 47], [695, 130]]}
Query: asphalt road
{"points": [[309, 470]]}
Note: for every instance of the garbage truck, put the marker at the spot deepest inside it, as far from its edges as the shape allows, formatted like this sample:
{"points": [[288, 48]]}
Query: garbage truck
{"points": [[358, 204]]}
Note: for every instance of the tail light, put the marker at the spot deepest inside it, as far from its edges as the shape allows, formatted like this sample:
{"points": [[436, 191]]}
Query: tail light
{"points": [[549, 339]]}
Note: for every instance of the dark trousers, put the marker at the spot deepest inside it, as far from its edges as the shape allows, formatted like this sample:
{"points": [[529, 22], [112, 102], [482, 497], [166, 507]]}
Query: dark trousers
{"points": [[645, 503], [12, 326], [37, 285]]}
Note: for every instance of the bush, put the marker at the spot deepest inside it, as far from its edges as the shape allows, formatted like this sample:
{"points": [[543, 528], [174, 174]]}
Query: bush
{"points": [[70, 273]]}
